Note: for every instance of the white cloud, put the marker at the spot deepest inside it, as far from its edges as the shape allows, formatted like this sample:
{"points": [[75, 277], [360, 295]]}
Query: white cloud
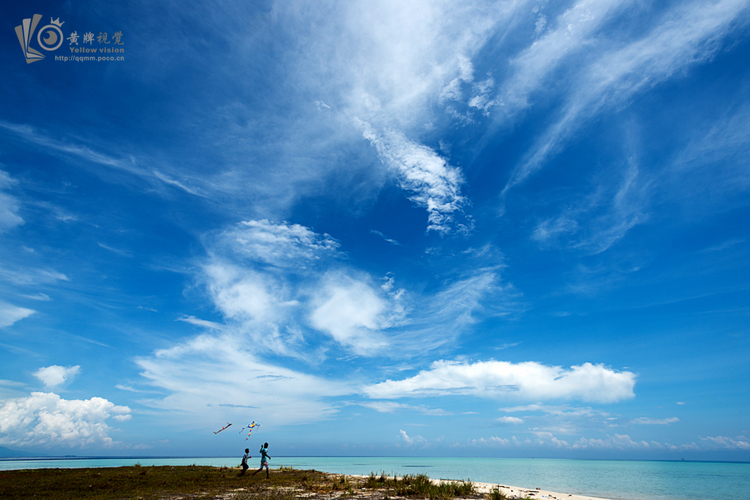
{"points": [[510, 420], [389, 240], [727, 442], [548, 439], [272, 282], [556, 410], [77, 151], [434, 184], [501, 379], [45, 419], [42, 297], [32, 276], [482, 99], [493, 441], [10, 314], [655, 421], [533, 68], [208, 371], [619, 441], [201, 322], [391, 407], [56, 375], [281, 245], [412, 441], [352, 311]]}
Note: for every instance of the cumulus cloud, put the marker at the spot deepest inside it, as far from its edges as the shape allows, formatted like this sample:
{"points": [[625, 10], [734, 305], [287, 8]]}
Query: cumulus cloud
{"points": [[55, 375], [619, 441], [492, 441], [45, 419], [352, 311], [273, 282], [433, 183], [10, 314], [510, 420], [412, 441], [501, 379], [739, 443]]}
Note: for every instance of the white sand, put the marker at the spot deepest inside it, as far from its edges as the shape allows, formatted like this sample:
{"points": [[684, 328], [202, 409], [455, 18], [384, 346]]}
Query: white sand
{"points": [[514, 491], [517, 492]]}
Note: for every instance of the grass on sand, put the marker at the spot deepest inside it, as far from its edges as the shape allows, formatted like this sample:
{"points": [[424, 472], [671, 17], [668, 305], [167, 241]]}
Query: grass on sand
{"points": [[201, 482]]}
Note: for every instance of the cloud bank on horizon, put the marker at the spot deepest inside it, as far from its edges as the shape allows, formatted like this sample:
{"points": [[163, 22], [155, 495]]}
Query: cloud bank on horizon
{"points": [[473, 228]]}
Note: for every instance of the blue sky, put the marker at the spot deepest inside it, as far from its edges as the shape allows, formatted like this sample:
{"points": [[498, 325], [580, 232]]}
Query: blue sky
{"points": [[379, 228]]}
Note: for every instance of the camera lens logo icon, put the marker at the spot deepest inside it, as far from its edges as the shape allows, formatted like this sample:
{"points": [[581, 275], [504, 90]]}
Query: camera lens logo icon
{"points": [[50, 37]]}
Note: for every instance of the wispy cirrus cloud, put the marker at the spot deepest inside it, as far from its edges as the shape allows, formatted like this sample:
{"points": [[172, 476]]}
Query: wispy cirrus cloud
{"points": [[433, 184], [79, 151], [598, 221], [208, 370], [532, 69], [10, 314], [31, 276], [389, 240], [392, 407], [685, 35], [9, 205], [655, 421]]}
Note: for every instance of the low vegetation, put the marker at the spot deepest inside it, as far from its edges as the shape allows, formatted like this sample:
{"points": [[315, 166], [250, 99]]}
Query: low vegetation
{"points": [[420, 486], [202, 482]]}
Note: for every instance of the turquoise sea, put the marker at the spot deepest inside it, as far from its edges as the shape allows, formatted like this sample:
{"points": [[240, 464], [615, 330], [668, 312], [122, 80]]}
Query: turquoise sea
{"points": [[614, 479]]}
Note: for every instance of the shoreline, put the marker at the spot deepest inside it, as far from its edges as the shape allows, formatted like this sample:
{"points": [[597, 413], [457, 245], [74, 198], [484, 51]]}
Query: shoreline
{"points": [[507, 490], [537, 493]]}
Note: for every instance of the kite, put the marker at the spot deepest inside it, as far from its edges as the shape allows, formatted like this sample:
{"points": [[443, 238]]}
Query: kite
{"points": [[226, 426], [250, 426]]}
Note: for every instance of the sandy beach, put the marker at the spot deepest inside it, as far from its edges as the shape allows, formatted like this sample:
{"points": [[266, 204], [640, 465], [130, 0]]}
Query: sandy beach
{"points": [[512, 491], [518, 492]]}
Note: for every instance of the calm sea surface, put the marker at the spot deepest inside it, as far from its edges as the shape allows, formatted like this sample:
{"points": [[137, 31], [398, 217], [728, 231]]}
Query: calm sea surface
{"points": [[623, 480]]}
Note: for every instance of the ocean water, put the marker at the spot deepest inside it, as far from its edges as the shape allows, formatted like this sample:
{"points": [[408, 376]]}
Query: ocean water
{"points": [[614, 479]]}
